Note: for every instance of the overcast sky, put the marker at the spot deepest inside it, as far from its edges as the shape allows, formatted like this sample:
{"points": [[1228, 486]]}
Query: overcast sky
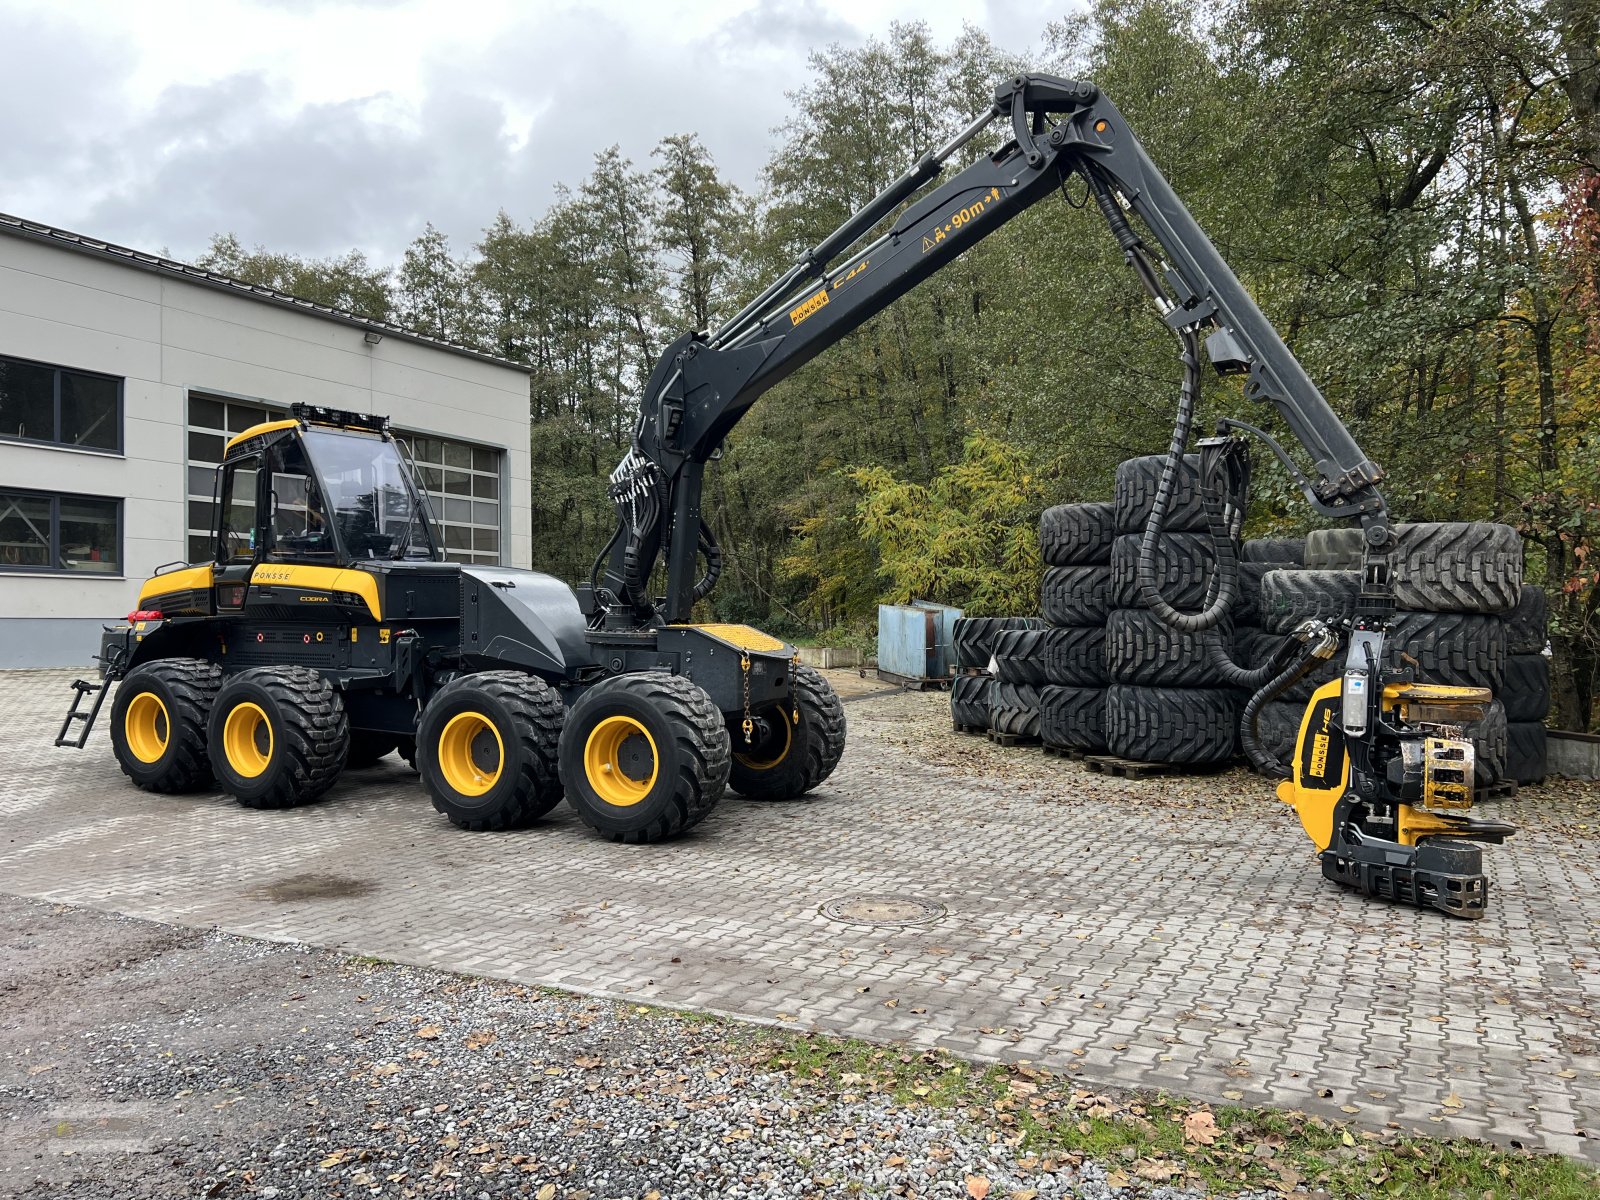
{"points": [[316, 125]]}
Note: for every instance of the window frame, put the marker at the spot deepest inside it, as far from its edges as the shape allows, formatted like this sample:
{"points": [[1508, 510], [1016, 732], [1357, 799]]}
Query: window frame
{"points": [[54, 552], [55, 442]]}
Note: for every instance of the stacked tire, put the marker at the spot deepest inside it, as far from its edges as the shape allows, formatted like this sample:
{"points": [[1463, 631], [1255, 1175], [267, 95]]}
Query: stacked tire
{"points": [[1165, 702], [1076, 542], [975, 690], [1253, 645], [1527, 688]]}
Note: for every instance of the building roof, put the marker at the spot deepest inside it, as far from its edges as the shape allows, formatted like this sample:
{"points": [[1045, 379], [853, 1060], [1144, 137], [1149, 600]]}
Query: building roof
{"points": [[140, 260]]}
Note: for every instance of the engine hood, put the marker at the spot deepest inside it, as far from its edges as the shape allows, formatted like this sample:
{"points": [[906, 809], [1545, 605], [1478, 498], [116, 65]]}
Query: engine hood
{"points": [[521, 619]]}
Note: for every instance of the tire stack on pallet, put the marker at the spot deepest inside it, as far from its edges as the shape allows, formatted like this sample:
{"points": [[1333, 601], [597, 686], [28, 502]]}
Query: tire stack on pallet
{"points": [[1166, 702], [1527, 690], [1455, 585], [1075, 541], [981, 702]]}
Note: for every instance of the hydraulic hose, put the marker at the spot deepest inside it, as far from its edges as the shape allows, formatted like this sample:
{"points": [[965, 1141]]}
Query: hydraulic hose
{"points": [[713, 556], [1262, 759]]}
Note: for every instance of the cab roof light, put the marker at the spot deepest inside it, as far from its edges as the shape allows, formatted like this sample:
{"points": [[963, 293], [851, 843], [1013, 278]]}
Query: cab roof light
{"points": [[316, 414]]}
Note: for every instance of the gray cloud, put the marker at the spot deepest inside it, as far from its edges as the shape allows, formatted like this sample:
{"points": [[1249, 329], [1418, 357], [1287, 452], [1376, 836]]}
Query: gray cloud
{"points": [[499, 127]]}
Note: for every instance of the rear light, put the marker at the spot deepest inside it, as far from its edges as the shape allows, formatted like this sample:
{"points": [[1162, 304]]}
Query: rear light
{"points": [[145, 614]]}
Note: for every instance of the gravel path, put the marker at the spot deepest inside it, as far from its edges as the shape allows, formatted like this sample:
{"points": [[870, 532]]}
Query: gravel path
{"points": [[142, 1060]]}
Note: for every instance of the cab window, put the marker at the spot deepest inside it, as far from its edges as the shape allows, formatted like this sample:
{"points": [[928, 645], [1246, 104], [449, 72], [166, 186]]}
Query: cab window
{"points": [[299, 527], [236, 541]]}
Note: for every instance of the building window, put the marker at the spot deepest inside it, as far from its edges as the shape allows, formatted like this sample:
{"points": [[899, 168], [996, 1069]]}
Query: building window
{"points": [[461, 480], [45, 531], [40, 403]]}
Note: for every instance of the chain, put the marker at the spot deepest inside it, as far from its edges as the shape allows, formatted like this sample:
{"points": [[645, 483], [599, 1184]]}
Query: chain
{"points": [[749, 722]]}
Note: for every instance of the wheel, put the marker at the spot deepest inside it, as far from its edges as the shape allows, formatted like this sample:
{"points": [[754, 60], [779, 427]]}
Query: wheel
{"points": [[1075, 656], [1073, 718], [1342, 549], [803, 748], [1466, 649], [1527, 626], [1527, 687], [1074, 534], [644, 756], [1281, 552], [278, 736], [1075, 596], [1137, 482], [1489, 740], [486, 748], [1014, 708], [1183, 564], [1142, 648], [973, 637], [1527, 752], [368, 746], [1019, 656], [1457, 566], [969, 701], [158, 724], [1173, 725], [1290, 597]]}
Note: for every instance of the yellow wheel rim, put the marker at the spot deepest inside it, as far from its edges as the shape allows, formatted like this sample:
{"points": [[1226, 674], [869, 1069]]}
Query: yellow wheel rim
{"points": [[762, 760], [620, 761], [147, 727], [471, 754], [247, 739]]}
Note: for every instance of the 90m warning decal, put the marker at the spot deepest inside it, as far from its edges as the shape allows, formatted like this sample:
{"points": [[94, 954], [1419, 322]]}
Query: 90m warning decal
{"points": [[961, 217]]}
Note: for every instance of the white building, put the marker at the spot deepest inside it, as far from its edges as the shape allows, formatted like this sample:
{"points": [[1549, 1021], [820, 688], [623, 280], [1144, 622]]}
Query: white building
{"points": [[123, 374]]}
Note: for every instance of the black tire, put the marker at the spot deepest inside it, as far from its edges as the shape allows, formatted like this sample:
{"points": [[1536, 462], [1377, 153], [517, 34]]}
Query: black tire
{"points": [[1143, 649], [278, 736], [1342, 549], [810, 749], [1248, 610], [1173, 725], [969, 701], [486, 749], [1457, 566], [1280, 552], [1527, 688], [368, 746], [1137, 481], [1077, 534], [159, 723], [1527, 625], [1075, 656], [1183, 566], [1014, 709], [1076, 595], [1527, 752], [1073, 718], [1467, 649], [1279, 728], [1490, 738], [693, 756], [1019, 656], [973, 637], [1290, 597]]}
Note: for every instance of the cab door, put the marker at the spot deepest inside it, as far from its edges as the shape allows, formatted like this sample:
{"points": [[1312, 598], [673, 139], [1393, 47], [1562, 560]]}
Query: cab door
{"points": [[240, 531]]}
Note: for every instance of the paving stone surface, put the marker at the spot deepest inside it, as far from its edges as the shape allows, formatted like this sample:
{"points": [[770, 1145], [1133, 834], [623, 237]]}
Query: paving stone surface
{"points": [[1163, 934]]}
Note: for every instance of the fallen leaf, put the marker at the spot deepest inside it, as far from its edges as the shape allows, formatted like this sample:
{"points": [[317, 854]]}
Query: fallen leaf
{"points": [[1452, 1101], [1200, 1128], [1154, 1169], [547, 1192], [895, 1160], [1347, 1139], [428, 1032], [480, 1039], [1117, 1179], [977, 1187]]}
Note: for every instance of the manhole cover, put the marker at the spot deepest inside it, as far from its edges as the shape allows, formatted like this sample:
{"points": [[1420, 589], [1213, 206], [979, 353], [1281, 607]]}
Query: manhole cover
{"points": [[881, 910]]}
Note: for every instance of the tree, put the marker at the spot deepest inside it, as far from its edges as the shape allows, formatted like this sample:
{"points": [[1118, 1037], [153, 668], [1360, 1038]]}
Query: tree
{"points": [[433, 291], [347, 282], [701, 221]]}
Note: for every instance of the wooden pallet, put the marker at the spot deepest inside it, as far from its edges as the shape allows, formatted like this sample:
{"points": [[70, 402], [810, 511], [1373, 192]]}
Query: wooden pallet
{"points": [[1127, 768], [914, 683], [1068, 752], [1498, 791], [1012, 739], [975, 729]]}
